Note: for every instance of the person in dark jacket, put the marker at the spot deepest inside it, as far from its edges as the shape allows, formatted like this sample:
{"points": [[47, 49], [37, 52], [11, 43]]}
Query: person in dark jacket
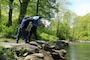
{"points": [[33, 30], [22, 29]]}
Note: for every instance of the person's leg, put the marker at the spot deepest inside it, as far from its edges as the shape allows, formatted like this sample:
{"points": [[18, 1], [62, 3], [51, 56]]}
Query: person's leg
{"points": [[18, 35], [35, 33], [25, 35], [30, 34]]}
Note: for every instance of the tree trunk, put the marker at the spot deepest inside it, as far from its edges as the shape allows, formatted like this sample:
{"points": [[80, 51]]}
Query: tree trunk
{"points": [[23, 8], [10, 14], [10, 18], [0, 13], [37, 7]]}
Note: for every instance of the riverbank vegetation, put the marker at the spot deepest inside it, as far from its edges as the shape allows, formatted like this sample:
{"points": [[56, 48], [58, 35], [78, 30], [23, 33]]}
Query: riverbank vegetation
{"points": [[66, 25]]}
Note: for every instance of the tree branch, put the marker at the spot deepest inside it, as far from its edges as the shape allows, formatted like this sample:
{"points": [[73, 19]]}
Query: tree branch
{"points": [[20, 2], [37, 7]]}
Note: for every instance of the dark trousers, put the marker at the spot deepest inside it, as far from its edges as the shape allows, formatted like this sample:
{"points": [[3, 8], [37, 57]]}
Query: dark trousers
{"points": [[22, 33], [33, 31]]}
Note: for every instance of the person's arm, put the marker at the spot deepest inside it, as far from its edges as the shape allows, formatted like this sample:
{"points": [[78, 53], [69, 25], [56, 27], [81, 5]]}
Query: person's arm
{"points": [[29, 19]]}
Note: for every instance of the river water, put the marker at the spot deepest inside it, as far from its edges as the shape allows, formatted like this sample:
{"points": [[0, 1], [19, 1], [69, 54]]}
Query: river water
{"points": [[78, 51]]}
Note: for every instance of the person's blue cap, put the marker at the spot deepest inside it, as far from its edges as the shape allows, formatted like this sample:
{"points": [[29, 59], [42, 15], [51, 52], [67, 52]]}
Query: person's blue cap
{"points": [[36, 17]]}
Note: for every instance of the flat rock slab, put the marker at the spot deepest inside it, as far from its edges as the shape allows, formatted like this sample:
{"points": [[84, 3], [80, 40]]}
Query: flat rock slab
{"points": [[10, 44]]}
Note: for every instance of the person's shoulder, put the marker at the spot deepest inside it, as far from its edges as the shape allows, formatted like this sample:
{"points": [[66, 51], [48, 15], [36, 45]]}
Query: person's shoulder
{"points": [[26, 17]]}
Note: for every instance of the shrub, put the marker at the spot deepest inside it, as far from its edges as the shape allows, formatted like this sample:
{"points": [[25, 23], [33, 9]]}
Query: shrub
{"points": [[47, 37], [22, 51], [9, 32], [1, 50], [10, 54]]}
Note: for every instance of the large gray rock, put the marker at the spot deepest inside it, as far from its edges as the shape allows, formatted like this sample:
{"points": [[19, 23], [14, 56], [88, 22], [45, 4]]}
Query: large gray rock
{"points": [[30, 48], [33, 43], [61, 53], [36, 56], [61, 44], [39, 50]]}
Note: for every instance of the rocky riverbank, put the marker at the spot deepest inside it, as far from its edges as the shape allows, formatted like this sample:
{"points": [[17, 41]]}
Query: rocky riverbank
{"points": [[37, 50]]}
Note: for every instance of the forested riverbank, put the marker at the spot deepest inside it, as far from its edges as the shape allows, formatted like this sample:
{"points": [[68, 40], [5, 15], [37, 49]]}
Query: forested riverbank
{"points": [[64, 24]]}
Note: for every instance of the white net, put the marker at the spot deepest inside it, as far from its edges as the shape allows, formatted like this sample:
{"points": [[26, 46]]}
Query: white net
{"points": [[45, 23]]}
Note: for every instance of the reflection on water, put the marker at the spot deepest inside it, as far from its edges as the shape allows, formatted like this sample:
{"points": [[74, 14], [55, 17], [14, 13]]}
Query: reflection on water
{"points": [[72, 54], [78, 51]]}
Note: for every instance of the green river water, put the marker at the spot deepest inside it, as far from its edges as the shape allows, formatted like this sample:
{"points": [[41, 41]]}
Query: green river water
{"points": [[78, 51]]}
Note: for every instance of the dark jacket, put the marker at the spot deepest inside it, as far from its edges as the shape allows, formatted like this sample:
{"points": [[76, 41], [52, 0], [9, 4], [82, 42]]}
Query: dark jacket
{"points": [[25, 22]]}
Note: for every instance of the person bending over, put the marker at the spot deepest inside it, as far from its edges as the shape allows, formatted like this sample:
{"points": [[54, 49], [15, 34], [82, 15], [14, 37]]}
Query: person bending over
{"points": [[22, 29], [33, 30]]}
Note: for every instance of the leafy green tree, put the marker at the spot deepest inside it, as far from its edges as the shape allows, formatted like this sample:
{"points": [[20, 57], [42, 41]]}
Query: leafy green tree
{"points": [[43, 8], [23, 8], [81, 27], [10, 13], [63, 19]]}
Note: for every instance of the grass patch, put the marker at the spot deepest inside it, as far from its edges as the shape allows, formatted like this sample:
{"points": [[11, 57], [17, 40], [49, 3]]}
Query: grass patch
{"points": [[9, 40]]}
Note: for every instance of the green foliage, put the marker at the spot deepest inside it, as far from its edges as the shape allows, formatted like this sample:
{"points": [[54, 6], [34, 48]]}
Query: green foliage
{"points": [[45, 8], [22, 51], [45, 34], [9, 31], [1, 50], [48, 37], [0, 27], [8, 52], [81, 27]]}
